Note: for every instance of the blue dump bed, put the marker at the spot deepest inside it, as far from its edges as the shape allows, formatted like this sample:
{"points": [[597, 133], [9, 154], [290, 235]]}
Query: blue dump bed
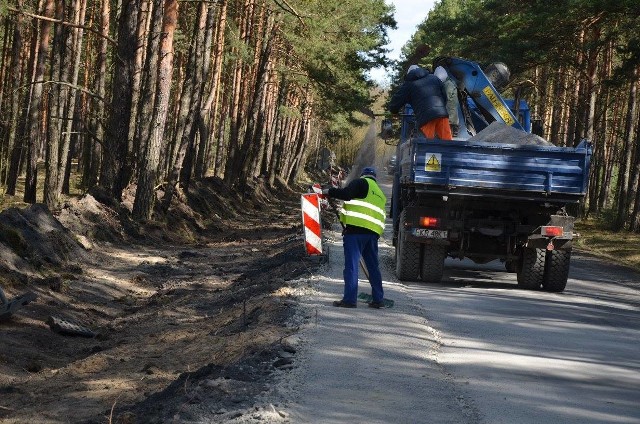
{"points": [[481, 168]]}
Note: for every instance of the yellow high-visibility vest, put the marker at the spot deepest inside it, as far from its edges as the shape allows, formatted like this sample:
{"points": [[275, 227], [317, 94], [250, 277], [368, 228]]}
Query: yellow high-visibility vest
{"points": [[368, 212]]}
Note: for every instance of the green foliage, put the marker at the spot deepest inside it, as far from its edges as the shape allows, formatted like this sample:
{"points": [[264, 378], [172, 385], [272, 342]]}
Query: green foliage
{"points": [[289, 112], [527, 34], [334, 44], [238, 49]]}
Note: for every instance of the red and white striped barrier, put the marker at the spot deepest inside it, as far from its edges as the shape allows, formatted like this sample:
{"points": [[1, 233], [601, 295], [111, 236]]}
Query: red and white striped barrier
{"points": [[311, 222]]}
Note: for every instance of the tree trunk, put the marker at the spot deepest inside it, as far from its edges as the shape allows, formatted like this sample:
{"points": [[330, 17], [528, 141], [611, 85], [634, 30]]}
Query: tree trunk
{"points": [[143, 28], [68, 150], [634, 152], [270, 107], [275, 131], [195, 105], [611, 155], [147, 175], [625, 162], [20, 148], [635, 215], [149, 81], [203, 130], [36, 103], [116, 167], [16, 79], [252, 143], [597, 187], [278, 135], [56, 92], [237, 101], [93, 148], [190, 101], [213, 105]]}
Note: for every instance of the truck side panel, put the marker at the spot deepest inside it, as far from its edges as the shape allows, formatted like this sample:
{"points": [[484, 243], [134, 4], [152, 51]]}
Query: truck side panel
{"points": [[541, 169]]}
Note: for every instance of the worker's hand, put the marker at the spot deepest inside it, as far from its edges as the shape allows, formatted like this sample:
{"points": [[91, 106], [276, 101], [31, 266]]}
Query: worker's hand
{"points": [[455, 129], [317, 188], [322, 194]]}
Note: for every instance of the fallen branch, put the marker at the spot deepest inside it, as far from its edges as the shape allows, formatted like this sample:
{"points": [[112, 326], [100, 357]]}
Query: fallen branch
{"points": [[60, 21], [289, 9], [68, 84]]}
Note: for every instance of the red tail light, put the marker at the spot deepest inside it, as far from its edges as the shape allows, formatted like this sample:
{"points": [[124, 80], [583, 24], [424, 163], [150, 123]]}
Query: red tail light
{"points": [[552, 231], [429, 221]]}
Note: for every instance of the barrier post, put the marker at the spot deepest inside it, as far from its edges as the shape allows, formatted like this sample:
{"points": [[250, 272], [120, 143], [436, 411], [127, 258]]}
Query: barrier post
{"points": [[310, 203]]}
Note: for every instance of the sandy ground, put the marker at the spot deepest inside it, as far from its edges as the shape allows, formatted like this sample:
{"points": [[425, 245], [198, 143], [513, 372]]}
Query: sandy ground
{"points": [[195, 316], [185, 322]]}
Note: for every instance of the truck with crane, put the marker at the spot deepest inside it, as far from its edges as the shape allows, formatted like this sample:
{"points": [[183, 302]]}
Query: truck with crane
{"points": [[495, 192]]}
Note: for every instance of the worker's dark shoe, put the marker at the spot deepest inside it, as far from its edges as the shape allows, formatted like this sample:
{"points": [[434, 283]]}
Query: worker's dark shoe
{"points": [[377, 305], [343, 304]]}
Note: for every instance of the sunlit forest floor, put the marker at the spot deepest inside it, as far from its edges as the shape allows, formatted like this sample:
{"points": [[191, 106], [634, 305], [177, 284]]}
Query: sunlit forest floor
{"points": [[623, 247], [7, 201], [187, 309]]}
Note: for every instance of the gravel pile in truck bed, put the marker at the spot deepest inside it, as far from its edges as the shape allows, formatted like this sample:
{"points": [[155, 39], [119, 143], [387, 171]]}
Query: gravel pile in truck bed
{"points": [[499, 132]]}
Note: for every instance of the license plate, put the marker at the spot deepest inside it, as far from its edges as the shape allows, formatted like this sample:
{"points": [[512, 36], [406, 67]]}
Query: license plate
{"points": [[434, 234]]}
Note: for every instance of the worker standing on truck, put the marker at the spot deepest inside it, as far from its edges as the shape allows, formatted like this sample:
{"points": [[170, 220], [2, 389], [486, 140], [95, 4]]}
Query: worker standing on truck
{"points": [[363, 216], [426, 95], [451, 91]]}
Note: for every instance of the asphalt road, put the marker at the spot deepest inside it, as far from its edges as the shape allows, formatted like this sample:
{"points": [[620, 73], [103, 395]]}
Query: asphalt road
{"points": [[473, 349], [529, 357]]}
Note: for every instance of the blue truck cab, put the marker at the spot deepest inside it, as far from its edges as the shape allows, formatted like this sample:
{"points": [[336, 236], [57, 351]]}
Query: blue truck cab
{"points": [[486, 198]]}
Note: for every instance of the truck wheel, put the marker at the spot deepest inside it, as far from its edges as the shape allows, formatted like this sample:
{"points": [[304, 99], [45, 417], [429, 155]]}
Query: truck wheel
{"points": [[557, 270], [407, 255], [433, 263], [531, 269]]}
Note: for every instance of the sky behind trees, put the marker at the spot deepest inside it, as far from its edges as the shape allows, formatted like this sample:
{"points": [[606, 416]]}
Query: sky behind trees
{"points": [[409, 13]]}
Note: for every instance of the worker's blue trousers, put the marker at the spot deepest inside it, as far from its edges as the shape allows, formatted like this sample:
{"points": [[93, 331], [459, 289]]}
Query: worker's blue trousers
{"points": [[365, 246]]}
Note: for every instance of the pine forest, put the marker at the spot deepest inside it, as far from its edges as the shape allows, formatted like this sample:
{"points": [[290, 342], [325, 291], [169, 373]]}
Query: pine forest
{"points": [[159, 93]]}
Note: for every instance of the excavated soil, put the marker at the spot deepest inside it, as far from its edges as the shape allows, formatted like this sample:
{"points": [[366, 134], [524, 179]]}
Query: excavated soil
{"points": [[188, 315]]}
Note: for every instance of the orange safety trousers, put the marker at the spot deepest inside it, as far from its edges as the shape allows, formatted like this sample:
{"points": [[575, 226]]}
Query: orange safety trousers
{"points": [[437, 128]]}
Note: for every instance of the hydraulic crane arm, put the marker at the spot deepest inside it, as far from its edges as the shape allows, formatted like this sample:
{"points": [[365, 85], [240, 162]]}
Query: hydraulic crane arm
{"points": [[472, 79]]}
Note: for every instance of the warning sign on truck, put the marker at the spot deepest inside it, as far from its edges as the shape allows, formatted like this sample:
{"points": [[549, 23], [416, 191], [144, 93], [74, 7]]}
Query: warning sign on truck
{"points": [[433, 162]]}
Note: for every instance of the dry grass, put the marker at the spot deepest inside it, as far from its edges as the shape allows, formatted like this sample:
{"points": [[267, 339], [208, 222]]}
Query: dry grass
{"points": [[623, 247], [7, 201]]}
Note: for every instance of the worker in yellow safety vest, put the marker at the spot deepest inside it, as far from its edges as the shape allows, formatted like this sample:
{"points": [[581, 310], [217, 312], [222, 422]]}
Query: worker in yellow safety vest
{"points": [[363, 216]]}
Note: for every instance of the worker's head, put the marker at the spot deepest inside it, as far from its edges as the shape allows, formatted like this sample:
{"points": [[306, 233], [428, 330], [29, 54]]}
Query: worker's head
{"points": [[411, 68], [368, 172], [440, 73]]}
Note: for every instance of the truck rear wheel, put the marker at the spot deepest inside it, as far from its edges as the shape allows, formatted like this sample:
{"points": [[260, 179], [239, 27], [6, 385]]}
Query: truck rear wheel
{"points": [[433, 263], [531, 268], [557, 270], [407, 254]]}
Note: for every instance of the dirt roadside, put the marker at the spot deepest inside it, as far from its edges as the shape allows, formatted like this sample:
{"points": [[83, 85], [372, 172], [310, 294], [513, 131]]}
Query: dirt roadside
{"points": [[190, 318]]}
